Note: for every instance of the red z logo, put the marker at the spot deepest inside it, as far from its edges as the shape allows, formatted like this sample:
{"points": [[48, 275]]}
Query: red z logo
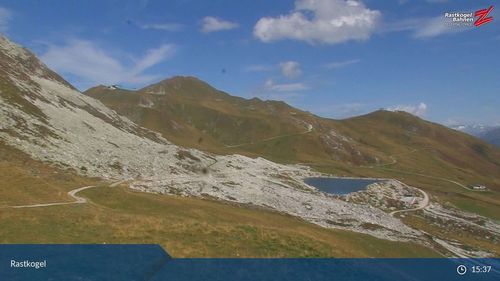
{"points": [[483, 16]]}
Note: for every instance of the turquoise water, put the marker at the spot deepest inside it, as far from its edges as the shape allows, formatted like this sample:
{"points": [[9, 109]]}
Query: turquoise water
{"points": [[339, 186]]}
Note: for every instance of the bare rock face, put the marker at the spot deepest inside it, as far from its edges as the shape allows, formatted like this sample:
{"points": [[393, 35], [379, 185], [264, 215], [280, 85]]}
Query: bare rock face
{"points": [[44, 116]]}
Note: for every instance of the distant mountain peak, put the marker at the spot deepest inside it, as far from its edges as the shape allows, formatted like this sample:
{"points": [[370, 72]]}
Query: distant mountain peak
{"points": [[184, 78], [488, 133], [185, 86], [472, 129], [397, 114], [179, 79]]}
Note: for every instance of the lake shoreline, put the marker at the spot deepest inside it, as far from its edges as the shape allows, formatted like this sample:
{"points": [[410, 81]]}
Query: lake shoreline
{"points": [[340, 186]]}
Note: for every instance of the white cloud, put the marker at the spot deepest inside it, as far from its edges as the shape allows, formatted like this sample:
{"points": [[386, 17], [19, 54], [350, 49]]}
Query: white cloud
{"points": [[424, 27], [289, 92], [290, 87], [153, 57], [259, 68], [409, 24], [320, 21], [171, 27], [5, 17], [341, 64], [94, 65], [290, 69], [212, 24], [418, 110], [436, 26]]}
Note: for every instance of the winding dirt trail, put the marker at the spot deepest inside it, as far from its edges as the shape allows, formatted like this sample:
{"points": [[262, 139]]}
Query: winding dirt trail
{"points": [[71, 193], [309, 129], [422, 205], [436, 178], [456, 251], [394, 161]]}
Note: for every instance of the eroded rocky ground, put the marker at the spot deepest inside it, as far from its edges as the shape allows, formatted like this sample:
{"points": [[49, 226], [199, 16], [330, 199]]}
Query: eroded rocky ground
{"points": [[450, 225]]}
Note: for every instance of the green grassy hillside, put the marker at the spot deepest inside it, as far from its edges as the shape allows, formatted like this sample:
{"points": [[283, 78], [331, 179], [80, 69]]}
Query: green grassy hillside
{"points": [[191, 113]]}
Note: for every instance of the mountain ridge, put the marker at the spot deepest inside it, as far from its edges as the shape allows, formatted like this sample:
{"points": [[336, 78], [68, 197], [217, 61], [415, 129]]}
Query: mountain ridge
{"points": [[492, 136], [281, 132]]}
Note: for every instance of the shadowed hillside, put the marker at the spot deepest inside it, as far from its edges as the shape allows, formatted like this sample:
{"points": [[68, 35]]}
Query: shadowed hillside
{"points": [[492, 136]]}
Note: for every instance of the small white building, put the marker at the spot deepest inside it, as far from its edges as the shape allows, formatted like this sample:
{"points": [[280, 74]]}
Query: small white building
{"points": [[478, 187]]}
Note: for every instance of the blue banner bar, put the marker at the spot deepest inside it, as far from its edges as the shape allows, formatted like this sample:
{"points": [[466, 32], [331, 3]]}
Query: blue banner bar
{"points": [[151, 262], [81, 262]]}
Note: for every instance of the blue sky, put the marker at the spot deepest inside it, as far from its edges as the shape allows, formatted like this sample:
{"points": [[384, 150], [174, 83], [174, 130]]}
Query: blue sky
{"points": [[334, 58]]}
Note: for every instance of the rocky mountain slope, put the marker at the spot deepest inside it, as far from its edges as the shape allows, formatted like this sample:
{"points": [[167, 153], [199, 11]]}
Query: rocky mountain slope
{"points": [[190, 112], [45, 117]]}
